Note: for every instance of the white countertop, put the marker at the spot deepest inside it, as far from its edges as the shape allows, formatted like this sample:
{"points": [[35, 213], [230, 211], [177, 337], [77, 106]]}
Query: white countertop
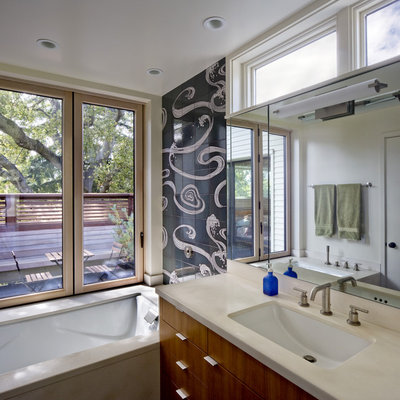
{"points": [[374, 373]]}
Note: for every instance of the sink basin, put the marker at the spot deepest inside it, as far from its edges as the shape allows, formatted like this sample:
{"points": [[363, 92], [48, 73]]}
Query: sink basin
{"points": [[310, 338]]}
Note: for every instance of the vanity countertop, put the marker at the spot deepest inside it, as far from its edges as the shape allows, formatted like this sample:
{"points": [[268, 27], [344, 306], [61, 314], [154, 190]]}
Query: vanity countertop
{"points": [[371, 374]]}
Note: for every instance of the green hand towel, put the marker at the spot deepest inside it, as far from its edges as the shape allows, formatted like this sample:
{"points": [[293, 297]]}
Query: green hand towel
{"points": [[349, 211], [324, 209]]}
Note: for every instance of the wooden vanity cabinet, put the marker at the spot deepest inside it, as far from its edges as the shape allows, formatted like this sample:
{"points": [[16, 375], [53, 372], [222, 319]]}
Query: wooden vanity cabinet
{"points": [[196, 363]]}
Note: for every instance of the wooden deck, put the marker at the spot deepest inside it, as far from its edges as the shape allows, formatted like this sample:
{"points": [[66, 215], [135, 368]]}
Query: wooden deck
{"points": [[31, 246]]}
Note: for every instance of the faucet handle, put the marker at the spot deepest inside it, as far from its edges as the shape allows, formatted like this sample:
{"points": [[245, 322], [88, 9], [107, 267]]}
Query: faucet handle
{"points": [[303, 297], [356, 266], [346, 264], [353, 315]]}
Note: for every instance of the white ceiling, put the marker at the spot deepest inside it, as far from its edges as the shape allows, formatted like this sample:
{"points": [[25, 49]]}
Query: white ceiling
{"points": [[115, 41]]}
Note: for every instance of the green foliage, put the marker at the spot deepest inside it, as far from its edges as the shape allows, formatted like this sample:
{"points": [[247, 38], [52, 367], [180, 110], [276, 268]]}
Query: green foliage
{"points": [[124, 232], [40, 118], [243, 179], [108, 144]]}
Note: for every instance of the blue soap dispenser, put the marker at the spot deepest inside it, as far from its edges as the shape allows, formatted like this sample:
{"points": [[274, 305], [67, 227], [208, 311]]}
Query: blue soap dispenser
{"points": [[270, 283], [290, 271]]}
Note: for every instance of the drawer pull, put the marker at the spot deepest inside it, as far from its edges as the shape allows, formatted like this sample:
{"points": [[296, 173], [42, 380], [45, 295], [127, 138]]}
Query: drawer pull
{"points": [[180, 336], [182, 394], [181, 365], [211, 361]]}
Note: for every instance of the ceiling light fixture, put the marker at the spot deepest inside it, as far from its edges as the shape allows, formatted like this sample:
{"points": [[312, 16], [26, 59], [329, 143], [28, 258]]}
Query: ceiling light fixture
{"points": [[348, 93], [214, 23], [47, 43], [154, 71]]}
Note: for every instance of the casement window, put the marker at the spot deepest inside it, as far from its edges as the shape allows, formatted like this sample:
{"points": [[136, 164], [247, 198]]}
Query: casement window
{"points": [[70, 193], [258, 191]]}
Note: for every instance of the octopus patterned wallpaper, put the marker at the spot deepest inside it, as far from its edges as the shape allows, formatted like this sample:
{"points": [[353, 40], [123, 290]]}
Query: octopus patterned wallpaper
{"points": [[194, 177]]}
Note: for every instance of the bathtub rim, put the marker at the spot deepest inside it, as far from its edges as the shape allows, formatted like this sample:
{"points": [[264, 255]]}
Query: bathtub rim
{"points": [[46, 372], [57, 306]]}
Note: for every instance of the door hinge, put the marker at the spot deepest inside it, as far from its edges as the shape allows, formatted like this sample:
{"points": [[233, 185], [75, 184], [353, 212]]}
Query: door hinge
{"points": [[259, 158], [141, 239], [261, 227], [259, 252]]}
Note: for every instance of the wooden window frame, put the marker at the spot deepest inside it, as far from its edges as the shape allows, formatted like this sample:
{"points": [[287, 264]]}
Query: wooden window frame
{"points": [[67, 224], [72, 225], [79, 100], [258, 247]]}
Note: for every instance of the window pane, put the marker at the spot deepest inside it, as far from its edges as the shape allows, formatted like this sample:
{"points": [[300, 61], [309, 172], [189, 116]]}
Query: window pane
{"points": [[108, 185], [382, 28], [311, 64], [240, 193], [31, 139], [277, 191]]}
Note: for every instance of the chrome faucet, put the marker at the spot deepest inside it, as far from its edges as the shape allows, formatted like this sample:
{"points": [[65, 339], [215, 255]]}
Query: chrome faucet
{"points": [[326, 294], [342, 281]]}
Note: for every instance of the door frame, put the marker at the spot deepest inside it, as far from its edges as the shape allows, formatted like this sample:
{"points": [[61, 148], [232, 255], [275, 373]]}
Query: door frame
{"points": [[383, 199]]}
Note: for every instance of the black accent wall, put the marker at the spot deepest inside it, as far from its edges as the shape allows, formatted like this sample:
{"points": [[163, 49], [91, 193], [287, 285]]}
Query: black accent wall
{"points": [[194, 177]]}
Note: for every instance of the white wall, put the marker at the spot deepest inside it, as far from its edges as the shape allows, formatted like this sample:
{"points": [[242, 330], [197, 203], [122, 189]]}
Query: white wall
{"points": [[345, 150], [152, 154]]}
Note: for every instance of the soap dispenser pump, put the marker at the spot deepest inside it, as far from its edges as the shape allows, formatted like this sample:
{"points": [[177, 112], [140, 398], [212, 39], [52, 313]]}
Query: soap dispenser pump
{"points": [[270, 283], [290, 271]]}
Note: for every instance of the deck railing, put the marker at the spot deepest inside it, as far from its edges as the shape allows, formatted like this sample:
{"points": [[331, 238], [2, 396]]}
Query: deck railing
{"points": [[30, 211]]}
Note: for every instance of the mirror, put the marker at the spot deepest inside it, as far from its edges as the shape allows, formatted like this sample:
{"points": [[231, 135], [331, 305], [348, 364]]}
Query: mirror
{"points": [[354, 142]]}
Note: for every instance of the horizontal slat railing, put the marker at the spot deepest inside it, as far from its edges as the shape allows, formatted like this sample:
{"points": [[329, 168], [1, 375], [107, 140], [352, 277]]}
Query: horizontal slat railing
{"points": [[31, 211]]}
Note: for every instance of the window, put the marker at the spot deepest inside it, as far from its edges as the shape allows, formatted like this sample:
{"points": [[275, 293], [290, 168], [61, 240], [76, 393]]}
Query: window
{"points": [[382, 33], [320, 43], [377, 31], [258, 191], [67, 211], [312, 63]]}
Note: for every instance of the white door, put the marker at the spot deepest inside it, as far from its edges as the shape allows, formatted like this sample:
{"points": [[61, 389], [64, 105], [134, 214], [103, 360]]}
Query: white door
{"points": [[392, 161]]}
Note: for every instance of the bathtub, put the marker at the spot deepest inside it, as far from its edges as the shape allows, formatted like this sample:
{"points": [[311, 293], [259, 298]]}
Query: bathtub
{"points": [[97, 345]]}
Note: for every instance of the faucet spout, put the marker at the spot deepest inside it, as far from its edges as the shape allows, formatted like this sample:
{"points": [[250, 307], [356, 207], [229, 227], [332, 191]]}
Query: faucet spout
{"points": [[342, 282], [326, 294]]}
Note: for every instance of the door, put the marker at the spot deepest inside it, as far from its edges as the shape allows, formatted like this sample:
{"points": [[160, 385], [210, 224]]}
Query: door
{"points": [[392, 194]]}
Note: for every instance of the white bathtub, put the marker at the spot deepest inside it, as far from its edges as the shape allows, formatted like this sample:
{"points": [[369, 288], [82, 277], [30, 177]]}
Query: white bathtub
{"points": [[95, 345]]}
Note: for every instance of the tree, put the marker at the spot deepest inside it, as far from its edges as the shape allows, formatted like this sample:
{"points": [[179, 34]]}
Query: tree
{"points": [[31, 146]]}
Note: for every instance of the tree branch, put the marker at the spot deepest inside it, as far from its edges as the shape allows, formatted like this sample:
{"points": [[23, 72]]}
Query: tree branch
{"points": [[10, 128], [11, 173]]}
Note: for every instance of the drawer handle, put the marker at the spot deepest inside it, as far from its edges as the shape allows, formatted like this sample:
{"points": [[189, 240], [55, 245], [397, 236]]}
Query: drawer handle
{"points": [[182, 394], [180, 336], [181, 365], [211, 361]]}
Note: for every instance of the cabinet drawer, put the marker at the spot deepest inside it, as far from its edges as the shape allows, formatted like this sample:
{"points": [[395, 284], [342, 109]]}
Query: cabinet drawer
{"points": [[243, 366], [222, 385], [189, 385], [193, 330], [183, 351]]}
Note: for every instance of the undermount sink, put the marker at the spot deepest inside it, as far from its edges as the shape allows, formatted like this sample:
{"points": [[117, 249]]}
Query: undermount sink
{"points": [[310, 338]]}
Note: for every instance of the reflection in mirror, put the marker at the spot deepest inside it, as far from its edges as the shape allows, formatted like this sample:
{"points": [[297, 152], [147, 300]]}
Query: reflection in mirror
{"points": [[354, 142]]}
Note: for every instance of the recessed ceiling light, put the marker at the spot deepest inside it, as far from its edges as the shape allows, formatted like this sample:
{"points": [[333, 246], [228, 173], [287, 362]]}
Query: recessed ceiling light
{"points": [[214, 23], [47, 43], [154, 71]]}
